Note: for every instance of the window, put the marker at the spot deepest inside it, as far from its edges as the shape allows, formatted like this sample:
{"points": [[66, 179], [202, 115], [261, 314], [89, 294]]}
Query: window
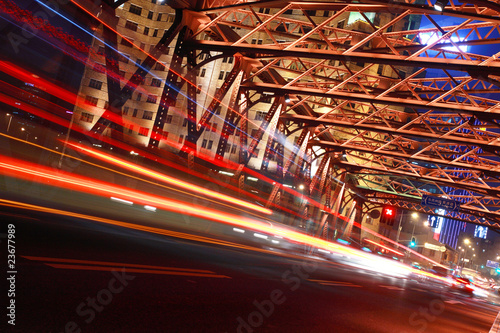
{"points": [[152, 98], [221, 75], [122, 74], [159, 17], [311, 12], [139, 96], [91, 100], [199, 89], [254, 41], [143, 46], [218, 110], [181, 138], [135, 9], [126, 42], [100, 50], [138, 62], [282, 27], [144, 131], [156, 82], [158, 67], [99, 68], [214, 127], [184, 122], [259, 42], [125, 110], [204, 143], [134, 114], [150, 15], [147, 115], [168, 119], [254, 133], [203, 71], [210, 143], [164, 135], [233, 149], [326, 13], [130, 129], [289, 12], [95, 84], [230, 60], [123, 58], [146, 31], [260, 115], [131, 25], [155, 33], [170, 18], [341, 24], [87, 117]]}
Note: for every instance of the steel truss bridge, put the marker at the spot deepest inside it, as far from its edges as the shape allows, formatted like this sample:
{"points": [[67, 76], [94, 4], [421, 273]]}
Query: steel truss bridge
{"points": [[428, 123]]}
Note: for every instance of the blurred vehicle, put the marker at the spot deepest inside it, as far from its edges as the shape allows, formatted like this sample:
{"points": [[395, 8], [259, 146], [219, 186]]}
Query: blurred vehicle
{"points": [[463, 285]]}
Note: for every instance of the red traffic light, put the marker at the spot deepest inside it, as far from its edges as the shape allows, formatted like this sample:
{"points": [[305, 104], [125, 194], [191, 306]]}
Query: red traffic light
{"points": [[389, 212]]}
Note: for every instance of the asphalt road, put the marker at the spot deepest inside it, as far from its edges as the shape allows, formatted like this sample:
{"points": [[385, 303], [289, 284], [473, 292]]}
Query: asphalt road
{"points": [[75, 275]]}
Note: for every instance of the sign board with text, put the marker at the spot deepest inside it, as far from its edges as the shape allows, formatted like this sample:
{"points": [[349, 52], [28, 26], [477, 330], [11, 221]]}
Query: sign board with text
{"points": [[492, 264], [446, 204]]}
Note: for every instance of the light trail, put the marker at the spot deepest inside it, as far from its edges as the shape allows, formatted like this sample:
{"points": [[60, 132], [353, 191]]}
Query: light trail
{"points": [[32, 172], [384, 247], [167, 179]]}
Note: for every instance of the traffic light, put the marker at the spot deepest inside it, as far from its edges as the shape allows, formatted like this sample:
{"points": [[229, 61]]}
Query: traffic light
{"points": [[388, 215], [413, 242]]}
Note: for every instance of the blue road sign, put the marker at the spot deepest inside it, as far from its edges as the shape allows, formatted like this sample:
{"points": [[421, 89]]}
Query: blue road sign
{"points": [[492, 264], [446, 204]]}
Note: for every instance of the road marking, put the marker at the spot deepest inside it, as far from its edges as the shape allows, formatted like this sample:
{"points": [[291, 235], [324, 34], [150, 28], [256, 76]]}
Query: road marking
{"points": [[391, 287], [134, 270], [335, 283], [62, 263], [452, 301]]}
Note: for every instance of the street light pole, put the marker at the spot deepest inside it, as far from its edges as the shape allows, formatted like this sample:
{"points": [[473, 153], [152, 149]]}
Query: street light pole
{"points": [[399, 228], [63, 152], [10, 119]]}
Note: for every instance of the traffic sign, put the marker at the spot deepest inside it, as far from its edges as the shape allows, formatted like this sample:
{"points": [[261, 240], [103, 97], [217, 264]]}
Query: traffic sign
{"points": [[447, 204], [492, 264], [434, 247]]}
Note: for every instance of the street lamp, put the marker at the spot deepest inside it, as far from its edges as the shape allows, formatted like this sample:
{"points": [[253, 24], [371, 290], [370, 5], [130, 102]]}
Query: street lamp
{"points": [[27, 133], [10, 119]]}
